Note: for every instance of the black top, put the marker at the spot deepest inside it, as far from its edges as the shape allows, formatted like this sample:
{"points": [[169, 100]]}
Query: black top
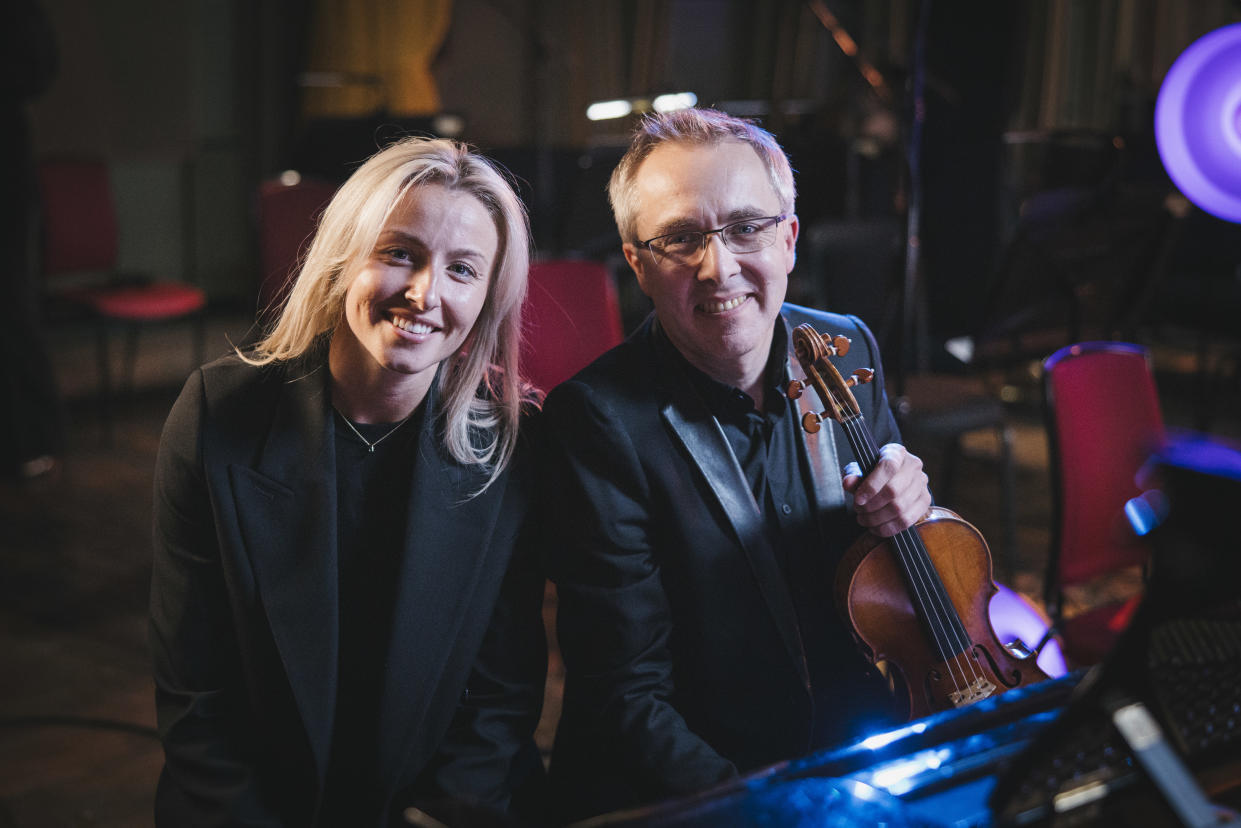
{"points": [[372, 489]]}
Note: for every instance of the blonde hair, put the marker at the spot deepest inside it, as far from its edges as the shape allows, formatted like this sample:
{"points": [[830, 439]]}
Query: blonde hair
{"points": [[480, 386], [693, 126]]}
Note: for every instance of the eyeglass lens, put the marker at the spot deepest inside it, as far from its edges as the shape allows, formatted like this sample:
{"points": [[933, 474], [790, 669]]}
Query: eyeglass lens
{"points": [[741, 237]]}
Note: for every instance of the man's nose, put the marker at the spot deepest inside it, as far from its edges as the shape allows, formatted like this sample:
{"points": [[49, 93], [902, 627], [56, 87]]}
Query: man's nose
{"points": [[421, 291], [718, 262]]}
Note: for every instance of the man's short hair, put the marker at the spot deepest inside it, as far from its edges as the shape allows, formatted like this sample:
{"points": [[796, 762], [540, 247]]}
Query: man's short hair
{"points": [[693, 126]]}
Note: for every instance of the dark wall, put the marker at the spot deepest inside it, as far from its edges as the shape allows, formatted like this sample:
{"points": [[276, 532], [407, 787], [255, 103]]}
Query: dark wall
{"points": [[970, 47]]}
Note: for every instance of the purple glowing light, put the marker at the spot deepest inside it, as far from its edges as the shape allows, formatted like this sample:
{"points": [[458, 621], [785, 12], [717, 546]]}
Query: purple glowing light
{"points": [[1015, 617], [1198, 122]]}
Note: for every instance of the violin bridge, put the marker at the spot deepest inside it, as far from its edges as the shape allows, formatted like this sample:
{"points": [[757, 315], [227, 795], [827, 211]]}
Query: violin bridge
{"points": [[980, 689]]}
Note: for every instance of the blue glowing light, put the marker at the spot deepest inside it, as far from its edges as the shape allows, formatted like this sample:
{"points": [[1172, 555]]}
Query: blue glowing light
{"points": [[1146, 511], [888, 737], [898, 777]]}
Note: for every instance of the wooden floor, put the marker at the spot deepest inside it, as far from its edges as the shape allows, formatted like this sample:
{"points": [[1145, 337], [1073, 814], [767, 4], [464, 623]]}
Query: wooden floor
{"points": [[77, 746]]}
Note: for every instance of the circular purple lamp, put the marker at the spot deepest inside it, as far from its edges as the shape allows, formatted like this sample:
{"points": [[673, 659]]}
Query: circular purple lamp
{"points": [[1198, 122]]}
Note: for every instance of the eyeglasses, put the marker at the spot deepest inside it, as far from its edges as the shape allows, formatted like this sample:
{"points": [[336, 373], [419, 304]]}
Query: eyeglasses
{"points": [[687, 247]]}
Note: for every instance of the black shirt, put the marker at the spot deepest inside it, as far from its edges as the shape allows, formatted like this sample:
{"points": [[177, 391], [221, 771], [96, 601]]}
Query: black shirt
{"points": [[372, 500], [849, 696]]}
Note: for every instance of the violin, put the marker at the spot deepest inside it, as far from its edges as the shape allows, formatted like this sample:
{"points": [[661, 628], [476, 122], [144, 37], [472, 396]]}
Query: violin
{"points": [[918, 602]]}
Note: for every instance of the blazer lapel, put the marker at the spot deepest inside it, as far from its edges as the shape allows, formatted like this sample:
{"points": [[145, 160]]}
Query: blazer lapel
{"points": [[444, 554], [286, 509], [692, 423]]}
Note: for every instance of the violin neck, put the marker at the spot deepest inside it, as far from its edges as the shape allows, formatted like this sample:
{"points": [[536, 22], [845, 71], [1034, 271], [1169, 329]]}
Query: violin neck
{"points": [[862, 442]]}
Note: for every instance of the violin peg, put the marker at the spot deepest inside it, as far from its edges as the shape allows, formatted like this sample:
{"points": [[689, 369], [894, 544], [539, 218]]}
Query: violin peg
{"points": [[859, 377], [795, 388], [810, 421], [840, 344]]}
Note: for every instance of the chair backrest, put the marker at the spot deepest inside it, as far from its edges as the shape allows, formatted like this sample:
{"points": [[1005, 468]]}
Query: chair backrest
{"points": [[1104, 422], [288, 213], [572, 315], [78, 217]]}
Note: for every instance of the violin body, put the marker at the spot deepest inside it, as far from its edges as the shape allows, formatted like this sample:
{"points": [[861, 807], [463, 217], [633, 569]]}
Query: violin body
{"points": [[872, 595]]}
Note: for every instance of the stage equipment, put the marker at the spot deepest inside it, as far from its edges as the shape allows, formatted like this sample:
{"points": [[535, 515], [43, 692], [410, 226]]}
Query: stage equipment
{"points": [[1198, 122]]}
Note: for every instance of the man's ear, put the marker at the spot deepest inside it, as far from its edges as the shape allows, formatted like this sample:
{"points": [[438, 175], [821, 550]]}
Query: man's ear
{"points": [[633, 255], [790, 241]]}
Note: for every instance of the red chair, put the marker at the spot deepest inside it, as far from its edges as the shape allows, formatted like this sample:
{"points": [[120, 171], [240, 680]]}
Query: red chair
{"points": [[288, 212], [79, 230], [1104, 422], [572, 315]]}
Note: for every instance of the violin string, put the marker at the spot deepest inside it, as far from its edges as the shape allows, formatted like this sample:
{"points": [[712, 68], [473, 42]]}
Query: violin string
{"points": [[905, 551], [919, 561], [868, 454], [950, 637], [942, 618]]}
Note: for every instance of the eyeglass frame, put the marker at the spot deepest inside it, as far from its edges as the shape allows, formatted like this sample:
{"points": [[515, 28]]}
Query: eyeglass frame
{"points": [[706, 237]]}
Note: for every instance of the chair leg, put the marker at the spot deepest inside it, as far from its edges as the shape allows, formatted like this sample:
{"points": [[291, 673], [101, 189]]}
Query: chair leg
{"points": [[105, 382], [200, 340], [130, 360], [1008, 497], [948, 476]]}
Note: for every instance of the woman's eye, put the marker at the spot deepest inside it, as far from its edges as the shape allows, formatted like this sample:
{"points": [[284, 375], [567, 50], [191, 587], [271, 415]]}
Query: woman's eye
{"points": [[399, 254], [463, 271]]}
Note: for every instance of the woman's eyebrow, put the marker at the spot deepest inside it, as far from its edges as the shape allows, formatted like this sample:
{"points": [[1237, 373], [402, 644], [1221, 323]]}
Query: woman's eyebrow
{"points": [[391, 235]]}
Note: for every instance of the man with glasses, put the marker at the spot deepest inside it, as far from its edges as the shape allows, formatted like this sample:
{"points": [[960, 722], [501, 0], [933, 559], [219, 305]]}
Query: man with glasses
{"points": [[695, 537]]}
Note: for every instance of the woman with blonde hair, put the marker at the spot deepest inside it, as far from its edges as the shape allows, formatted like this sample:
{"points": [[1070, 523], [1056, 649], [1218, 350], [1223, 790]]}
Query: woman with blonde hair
{"points": [[344, 620]]}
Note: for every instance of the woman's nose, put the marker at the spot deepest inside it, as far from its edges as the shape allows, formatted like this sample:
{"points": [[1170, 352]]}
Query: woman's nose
{"points": [[421, 292]]}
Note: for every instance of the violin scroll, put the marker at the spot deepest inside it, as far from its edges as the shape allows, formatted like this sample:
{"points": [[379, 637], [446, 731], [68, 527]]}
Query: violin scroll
{"points": [[812, 349]]}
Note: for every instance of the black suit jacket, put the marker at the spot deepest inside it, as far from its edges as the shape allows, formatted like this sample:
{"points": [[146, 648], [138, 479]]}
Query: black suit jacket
{"points": [[683, 654], [244, 611]]}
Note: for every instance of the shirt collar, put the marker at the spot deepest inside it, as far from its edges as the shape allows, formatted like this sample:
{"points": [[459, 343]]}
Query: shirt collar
{"points": [[728, 400]]}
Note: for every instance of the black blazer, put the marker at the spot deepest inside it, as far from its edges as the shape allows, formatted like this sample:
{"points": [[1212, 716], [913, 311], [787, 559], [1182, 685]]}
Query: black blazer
{"points": [[244, 611], [683, 655]]}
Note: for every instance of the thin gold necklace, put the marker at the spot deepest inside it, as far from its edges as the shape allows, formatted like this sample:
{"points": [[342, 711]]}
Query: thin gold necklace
{"points": [[370, 446]]}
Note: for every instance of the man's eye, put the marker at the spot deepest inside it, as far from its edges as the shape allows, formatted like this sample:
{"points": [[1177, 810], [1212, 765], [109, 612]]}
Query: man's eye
{"points": [[682, 240], [744, 229]]}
